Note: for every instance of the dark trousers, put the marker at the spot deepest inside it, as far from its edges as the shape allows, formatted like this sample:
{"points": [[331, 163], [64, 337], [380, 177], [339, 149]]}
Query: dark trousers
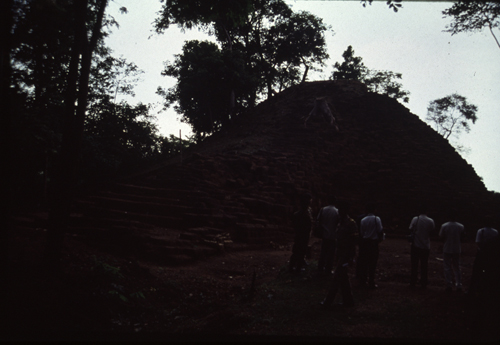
{"points": [[367, 261], [419, 256], [299, 251], [340, 281], [327, 254]]}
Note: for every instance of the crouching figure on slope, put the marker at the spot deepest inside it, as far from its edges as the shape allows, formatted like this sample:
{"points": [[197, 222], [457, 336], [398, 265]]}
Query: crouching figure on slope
{"points": [[321, 108]]}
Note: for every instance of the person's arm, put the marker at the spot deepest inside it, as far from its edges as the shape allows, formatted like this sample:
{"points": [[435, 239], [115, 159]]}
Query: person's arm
{"points": [[412, 224], [441, 231], [478, 238], [379, 225]]}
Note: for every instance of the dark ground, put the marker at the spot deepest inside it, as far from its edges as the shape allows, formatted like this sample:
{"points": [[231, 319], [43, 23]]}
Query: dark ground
{"points": [[243, 294]]}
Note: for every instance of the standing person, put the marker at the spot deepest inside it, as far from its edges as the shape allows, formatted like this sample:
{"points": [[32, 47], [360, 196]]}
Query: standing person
{"points": [[420, 227], [358, 223], [328, 219], [451, 232], [302, 222], [487, 243], [346, 249], [484, 235], [370, 232]]}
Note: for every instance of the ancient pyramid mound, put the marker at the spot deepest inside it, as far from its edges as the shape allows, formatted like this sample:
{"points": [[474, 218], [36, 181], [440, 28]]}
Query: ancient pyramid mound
{"points": [[242, 184]]}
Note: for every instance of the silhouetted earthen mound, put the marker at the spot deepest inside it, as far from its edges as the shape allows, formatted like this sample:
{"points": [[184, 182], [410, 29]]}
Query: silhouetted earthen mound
{"points": [[241, 185]]}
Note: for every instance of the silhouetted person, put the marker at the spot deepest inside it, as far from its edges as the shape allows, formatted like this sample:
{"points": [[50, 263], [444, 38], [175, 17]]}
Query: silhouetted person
{"points": [[328, 219], [484, 235], [486, 240], [421, 227], [302, 222], [370, 232], [346, 249], [358, 239], [483, 297], [451, 232], [321, 108]]}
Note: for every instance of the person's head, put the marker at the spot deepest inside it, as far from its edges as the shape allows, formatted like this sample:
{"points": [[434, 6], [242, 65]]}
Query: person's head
{"points": [[370, 207], [331, 199], [343, 207], [422, 209], [452, 215], [305, 200], [489, 221]]}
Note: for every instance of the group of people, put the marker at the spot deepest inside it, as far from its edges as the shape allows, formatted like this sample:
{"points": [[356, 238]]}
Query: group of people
{"points": [[340, 234]]}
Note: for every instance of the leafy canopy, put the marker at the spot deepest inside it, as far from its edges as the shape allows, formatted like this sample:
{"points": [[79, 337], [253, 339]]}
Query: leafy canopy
{"points": [[451, 114], [115, 134], [203, 86], [262, 47], [393, 4], [472, 16], [351, 68], [383, 82]]}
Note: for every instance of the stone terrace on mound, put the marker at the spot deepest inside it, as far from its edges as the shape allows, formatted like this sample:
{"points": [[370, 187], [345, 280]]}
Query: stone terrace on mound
{"points": [[241, 185]]}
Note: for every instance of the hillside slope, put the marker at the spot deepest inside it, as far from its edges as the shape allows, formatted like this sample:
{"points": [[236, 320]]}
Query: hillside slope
{"points": [[140, 261], [242, 184]]}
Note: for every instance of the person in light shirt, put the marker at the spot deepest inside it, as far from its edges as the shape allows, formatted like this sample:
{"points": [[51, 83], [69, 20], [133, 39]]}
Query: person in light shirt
{"points": [[484, 235], [370, 232], [486, 261], [421, 226], [328, 219], [451, 232], [346, 250]]}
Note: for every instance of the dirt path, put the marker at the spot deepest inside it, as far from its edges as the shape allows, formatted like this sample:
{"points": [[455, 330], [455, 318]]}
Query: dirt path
{"points": [[284, 304], [244, 294]]}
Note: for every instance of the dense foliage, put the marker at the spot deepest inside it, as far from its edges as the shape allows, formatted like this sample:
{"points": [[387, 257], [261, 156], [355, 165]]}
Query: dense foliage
{"points": [[451, 115], [262, 47], [470, 16], [114, 136], [383, 82]]}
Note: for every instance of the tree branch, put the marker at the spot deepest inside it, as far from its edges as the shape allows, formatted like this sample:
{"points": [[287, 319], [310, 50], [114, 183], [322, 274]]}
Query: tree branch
{"points": [[491, 30]]}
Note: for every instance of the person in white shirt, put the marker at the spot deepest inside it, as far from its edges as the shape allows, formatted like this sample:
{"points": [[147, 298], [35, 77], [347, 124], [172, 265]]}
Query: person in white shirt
{"points": [[487, 243], [421, 227], [328, 219], [370, 232], [451, 232], [484, 235]]}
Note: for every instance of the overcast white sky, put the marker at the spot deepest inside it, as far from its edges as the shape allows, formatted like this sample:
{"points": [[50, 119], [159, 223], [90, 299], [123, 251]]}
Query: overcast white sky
{"points": [[434, 64]]}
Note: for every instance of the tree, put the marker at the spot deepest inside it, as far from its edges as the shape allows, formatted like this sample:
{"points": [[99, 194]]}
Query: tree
{"points": [[471, 16], [351, 68], [201, 90], [384, 82], [393, 4], [294, 40], [115, 135], [451, 114], [87, 32], [68, 127], [279, 46], [119, 138], [172, 145], [262, 47], [218, 16], [6, 92]]}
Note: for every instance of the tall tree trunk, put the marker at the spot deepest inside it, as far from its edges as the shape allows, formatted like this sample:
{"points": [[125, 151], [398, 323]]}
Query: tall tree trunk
{"points": [[304, 76], [232, 96], [65, 176], [5, 134], [493, 34]]}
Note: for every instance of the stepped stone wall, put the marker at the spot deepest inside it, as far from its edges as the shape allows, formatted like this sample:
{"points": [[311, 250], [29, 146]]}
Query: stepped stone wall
{"points": [[242, 184]]}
